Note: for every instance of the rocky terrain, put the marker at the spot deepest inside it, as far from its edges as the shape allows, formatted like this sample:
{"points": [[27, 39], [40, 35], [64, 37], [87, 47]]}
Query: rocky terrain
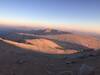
{"points": [[48, 53]]}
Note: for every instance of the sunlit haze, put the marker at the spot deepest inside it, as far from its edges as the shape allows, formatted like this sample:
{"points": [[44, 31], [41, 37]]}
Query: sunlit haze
{"points": [[72, 14]]}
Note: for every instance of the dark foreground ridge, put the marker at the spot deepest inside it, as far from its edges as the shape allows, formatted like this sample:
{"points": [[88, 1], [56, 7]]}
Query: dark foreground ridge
{"points": [[18, 61]]}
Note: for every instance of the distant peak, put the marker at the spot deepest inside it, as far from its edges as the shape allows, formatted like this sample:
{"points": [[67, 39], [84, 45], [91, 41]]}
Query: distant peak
{"points": [[48, 30]]}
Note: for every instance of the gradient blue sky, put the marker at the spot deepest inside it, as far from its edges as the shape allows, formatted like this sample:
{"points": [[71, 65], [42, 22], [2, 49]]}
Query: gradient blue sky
{"points": [[67, 12]]}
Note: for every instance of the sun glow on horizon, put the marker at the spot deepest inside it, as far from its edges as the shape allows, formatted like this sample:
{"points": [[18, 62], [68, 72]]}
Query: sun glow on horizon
{"points": [[31, 23], [83, 15]]}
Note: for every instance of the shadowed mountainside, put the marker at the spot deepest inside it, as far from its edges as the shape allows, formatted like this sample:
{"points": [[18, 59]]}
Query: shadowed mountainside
{"points": [[15, 60], [48, 31], [20, 61], [88, 41]]}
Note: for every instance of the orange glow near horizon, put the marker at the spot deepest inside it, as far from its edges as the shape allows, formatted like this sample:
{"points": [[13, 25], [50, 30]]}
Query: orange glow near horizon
{"points": [[14, 22], [50, 25]]}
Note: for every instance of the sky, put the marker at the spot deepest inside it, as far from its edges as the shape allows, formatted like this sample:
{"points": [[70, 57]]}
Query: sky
{"points": [[74, 14]]}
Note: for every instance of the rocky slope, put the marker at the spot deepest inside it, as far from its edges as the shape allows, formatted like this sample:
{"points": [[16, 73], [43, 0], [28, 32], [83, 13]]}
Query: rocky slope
{"points": [[87, 41]]}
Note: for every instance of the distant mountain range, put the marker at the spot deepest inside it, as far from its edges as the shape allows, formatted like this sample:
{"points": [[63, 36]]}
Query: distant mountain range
{"points": [[48, 31], [59, 35]]}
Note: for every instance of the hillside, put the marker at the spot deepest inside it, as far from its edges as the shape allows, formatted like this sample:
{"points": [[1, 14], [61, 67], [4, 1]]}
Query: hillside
{"points": [[20, 61], [87, 41], [17, 59], [24, 53], [41, 45], [84, 40]]}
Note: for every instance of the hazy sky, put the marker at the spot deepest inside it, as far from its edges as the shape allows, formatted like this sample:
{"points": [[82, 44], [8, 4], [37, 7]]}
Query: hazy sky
{"points": [[69, 13]]}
